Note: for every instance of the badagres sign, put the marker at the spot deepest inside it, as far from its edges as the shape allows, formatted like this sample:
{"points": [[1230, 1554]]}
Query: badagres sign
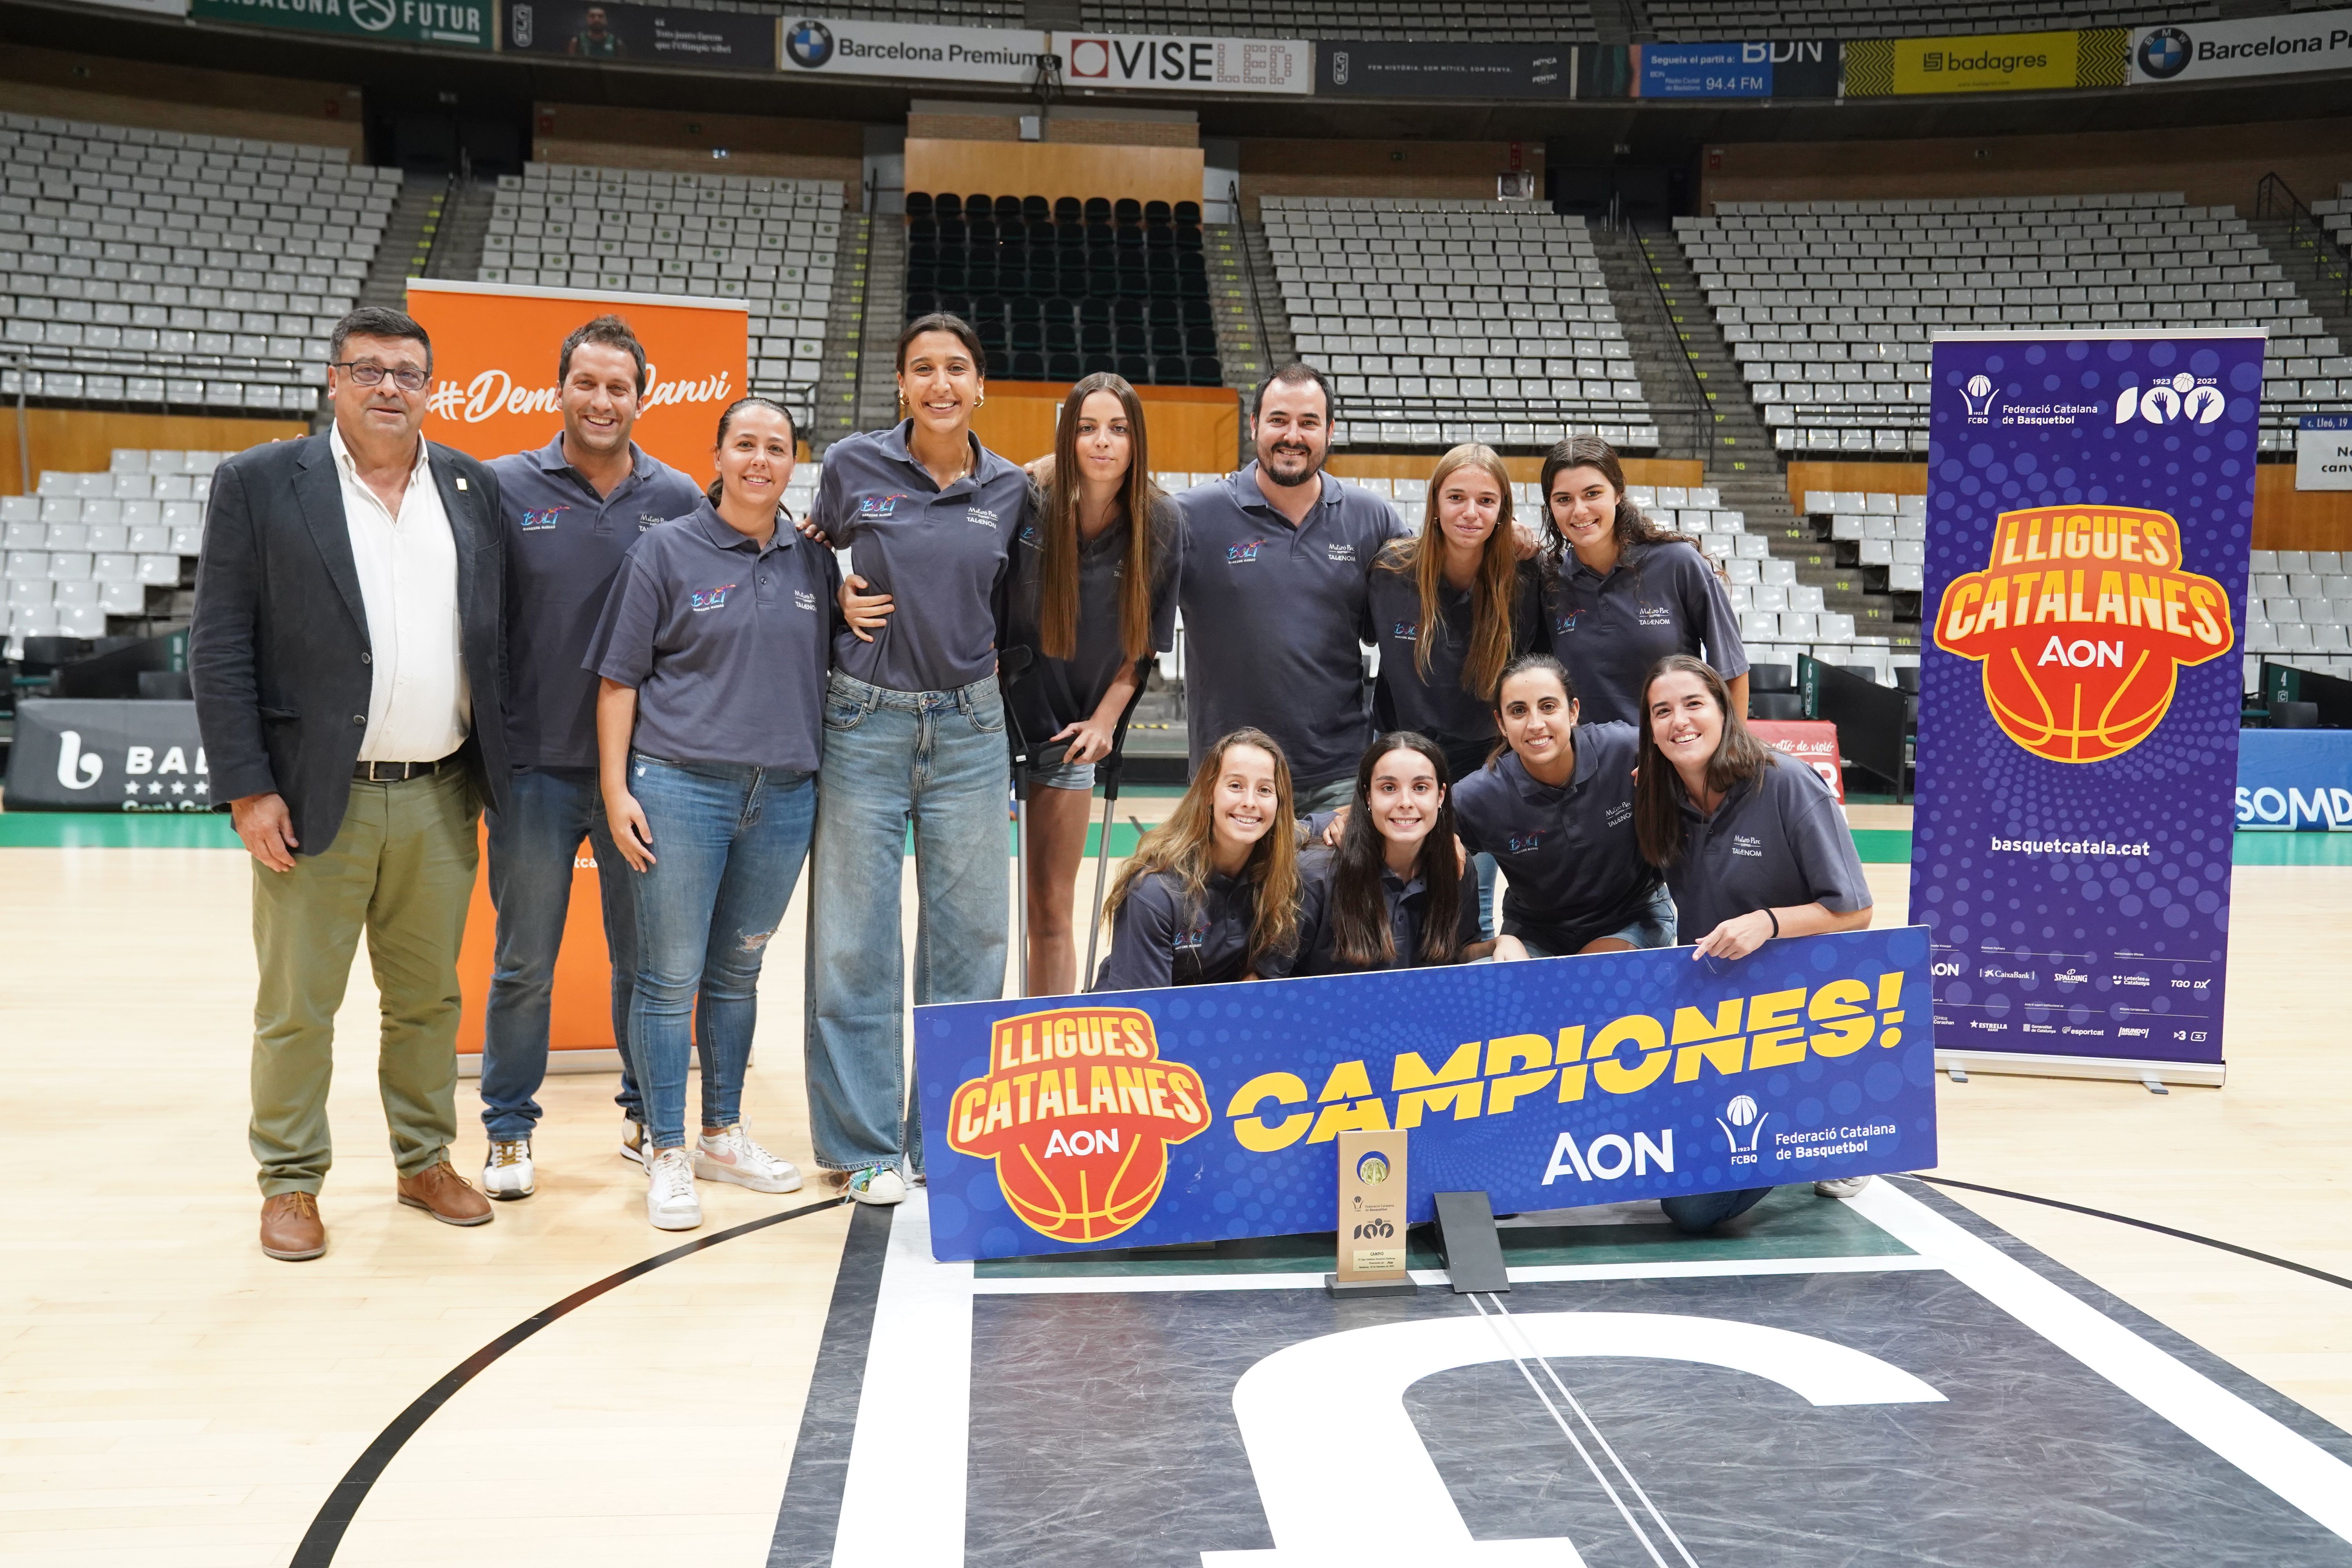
{"points": [[471, 24], [1203, 1113]]}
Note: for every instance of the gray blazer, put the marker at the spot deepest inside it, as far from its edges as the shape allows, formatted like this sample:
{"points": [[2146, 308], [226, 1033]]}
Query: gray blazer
{"points": [[279, 652]]}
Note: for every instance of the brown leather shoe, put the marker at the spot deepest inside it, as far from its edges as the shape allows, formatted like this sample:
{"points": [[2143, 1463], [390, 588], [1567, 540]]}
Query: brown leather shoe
{"points": [[444, 1195], [291, 1228]]}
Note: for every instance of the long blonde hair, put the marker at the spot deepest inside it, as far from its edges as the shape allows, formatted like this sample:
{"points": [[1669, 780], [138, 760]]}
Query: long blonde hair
{"points": [[1058, 587], [1180, 847], [1492, 595]]}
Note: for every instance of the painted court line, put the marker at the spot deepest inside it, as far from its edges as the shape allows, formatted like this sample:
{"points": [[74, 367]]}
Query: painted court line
{"points": [[1534, 1274]]}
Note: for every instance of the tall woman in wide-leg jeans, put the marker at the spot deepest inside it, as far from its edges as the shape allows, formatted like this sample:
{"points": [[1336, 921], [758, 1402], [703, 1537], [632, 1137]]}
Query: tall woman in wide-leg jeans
{"points": [[712, 647], [914, 736]]}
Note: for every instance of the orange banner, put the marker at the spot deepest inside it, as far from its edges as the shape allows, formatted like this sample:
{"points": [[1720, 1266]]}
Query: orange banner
{"points": [[495, 347]]}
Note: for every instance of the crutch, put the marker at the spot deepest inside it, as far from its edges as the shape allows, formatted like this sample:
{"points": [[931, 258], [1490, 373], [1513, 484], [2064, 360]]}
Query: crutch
{"points": [[1109, 769], [1011, 663]]}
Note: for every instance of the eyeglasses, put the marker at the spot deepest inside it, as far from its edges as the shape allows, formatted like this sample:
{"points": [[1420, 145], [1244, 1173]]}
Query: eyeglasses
{"points": [[373, 376]]}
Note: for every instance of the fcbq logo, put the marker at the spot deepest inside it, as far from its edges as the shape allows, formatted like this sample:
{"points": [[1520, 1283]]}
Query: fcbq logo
{"points": [[1077, 1111], [2182, 398], [495, 391], [2081, 661], [1980, 395]]}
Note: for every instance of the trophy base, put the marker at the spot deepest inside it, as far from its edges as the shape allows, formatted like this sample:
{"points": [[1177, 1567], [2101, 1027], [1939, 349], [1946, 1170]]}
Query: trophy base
{"points": [[1334, 1285]]}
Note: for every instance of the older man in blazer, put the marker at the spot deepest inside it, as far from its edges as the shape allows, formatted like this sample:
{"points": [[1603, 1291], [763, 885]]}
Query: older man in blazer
{"points": [[347, 658]]}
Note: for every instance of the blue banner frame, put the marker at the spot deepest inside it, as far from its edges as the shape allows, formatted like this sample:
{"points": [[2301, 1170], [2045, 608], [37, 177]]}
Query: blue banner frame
{"points": [[1555, 1083], [2090, 509]]}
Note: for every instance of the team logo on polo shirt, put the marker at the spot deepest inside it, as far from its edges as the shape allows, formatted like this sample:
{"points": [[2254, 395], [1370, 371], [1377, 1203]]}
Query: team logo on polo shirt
{"points": [[1028, 536], [711, 598], [1526, 842], [540, 521], [979, 514], [1567, 623], [2082, 619], [1077, 1109], [1405, 631], [1341, 551], [872, 507], [1748, 844], [1190, 940], [804, 599], [646, 520], [1237, 553], [1654, 615]]}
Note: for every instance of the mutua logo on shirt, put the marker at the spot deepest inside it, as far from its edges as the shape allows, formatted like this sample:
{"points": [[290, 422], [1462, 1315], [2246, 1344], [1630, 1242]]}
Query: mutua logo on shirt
{"points": [[1077, 1111], [540, 521], [2081, 661], [872, 507], [711, 598], [1237, 553]]}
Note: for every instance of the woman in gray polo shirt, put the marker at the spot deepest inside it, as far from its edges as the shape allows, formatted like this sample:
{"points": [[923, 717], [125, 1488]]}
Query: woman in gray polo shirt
{"points": [[1752, 845], [712, 651], [914, 737]]}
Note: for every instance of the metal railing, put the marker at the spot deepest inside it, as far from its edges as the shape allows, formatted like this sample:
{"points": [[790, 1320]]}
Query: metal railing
{"points": [[2275, 200], [1701, 416], [1257, 305]]}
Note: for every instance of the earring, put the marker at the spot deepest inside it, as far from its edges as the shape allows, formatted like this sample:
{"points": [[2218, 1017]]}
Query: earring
{"points": [[980, 403]]}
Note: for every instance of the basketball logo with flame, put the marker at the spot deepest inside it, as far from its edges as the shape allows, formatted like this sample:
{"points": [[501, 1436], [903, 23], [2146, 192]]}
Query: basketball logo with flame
{"points": [[2082, 618], [1077, 1111]]}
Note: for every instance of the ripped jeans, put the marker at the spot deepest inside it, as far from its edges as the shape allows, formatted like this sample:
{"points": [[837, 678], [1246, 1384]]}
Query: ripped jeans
{"points": [[727, 842]]}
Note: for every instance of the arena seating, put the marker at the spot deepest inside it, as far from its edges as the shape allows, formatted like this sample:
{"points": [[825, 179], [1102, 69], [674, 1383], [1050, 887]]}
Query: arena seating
{"points": [[165, 268], [772, 241], [1469, 21], [85, 546], [2299, 609], [2337, 213], [1060, 290], [1829, 305], [1712, 19], [1885, 530], [1448, 320]]}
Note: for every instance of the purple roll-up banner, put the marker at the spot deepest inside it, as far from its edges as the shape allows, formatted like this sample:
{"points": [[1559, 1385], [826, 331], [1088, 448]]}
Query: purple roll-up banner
{"points": [[2090, 509]]}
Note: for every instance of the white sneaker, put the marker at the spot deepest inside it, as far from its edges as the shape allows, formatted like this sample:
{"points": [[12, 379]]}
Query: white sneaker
{"points": [[877, 1184], [1841, 1186], [632, 1141], [670, 1203], [506, 1170], [734, 1156]]}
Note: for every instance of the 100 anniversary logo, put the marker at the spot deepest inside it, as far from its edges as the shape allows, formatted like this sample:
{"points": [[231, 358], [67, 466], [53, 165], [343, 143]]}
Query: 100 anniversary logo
{"points": [[1077, 1111], [2082, 619]]}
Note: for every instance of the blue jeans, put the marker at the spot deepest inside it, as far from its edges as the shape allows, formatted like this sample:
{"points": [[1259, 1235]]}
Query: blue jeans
{"points": [[1704, 1211], [1654, 927], [938, 760], [533, 843], [727, 842]]}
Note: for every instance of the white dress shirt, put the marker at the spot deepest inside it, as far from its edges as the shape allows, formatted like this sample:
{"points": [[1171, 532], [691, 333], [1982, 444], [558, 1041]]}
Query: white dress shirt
{"points": [[419, 705]]}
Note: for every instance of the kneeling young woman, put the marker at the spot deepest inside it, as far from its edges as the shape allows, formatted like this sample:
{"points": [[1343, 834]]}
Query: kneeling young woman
{"points": [[1556, 810], [710, 727], [1752, 845], [1396, 892], [1213, 891]]}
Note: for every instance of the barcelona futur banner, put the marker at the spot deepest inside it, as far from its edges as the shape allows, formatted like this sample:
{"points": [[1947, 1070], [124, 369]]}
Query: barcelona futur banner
{"points": [[2090, 506], [1199, 1113]]}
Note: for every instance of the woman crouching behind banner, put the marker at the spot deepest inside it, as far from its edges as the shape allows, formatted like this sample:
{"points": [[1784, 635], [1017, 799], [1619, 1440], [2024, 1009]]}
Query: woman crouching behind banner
{"points": [[1397, 892], [1214, 890], [1752, 845]]}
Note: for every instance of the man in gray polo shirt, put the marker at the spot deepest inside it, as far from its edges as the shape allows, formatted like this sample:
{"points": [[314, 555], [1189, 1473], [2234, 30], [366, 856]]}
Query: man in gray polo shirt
{"points": [[572, 508], [1276, 598]]}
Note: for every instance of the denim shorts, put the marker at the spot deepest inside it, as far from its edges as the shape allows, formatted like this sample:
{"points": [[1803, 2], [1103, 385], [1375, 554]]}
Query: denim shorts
{"points": [[1654, 928], [1064, 776]]}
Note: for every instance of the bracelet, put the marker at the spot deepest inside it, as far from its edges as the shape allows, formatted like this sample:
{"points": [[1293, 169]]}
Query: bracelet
{"points": [[1775, 920]]}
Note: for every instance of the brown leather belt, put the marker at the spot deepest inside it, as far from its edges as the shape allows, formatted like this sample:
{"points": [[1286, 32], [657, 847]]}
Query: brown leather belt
{"points": [[392, 772]]}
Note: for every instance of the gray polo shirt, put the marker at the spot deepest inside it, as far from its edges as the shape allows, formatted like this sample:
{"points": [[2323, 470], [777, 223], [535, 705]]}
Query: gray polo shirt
{"points": [[726, 643], [563, 544], [1053, 692], [1157, 938], [940, 554], [1461, 722], [1273, 618], [1778, 842], [1405, 904], [1576, 871], [1609, 631]]}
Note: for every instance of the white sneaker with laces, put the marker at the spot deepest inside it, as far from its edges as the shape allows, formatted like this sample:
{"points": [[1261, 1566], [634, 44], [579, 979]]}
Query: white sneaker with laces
{"points": [[877, 1184], [1841, 1186], [507, 1169], [670, 1203], [632, 1141], [735, 1156]]}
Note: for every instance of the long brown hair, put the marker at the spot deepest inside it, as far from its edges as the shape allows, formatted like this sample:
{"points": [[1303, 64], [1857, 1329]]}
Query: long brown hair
{"points": [[1358, 912], [1657, 788], [1057, 588], [1180, 847], [1592, 452], [1492, 595]]}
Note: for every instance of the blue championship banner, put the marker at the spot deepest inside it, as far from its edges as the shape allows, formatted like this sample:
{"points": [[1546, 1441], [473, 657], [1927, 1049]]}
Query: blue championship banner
{"points": [[2090, 506], [1200, 1114]]}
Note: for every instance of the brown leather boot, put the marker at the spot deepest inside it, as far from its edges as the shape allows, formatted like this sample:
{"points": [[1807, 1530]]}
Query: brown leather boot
{"points": [[291, 1231], [444, 1195]]}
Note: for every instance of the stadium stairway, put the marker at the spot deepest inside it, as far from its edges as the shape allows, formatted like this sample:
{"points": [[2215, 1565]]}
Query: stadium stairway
{"points": [[407, 241], [1654, 341], [836, 413], [2315, 279], [885, 313], [1737, 449], [456, 249], [1244, 298]]}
